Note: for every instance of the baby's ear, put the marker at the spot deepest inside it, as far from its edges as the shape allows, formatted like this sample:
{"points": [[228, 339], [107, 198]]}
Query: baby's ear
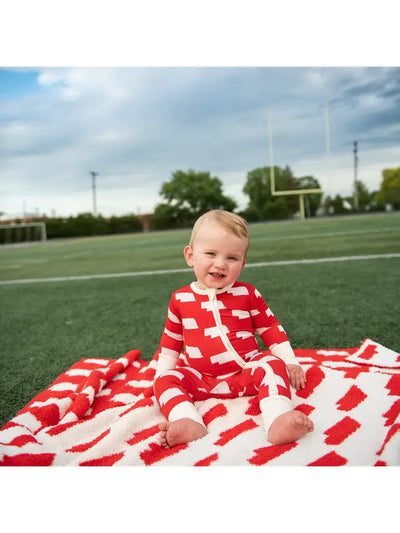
{"points": [[188, 253]]}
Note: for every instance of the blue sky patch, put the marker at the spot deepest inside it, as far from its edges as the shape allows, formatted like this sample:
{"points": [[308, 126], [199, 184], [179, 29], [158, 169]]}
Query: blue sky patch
{"points": [[18, 83]]}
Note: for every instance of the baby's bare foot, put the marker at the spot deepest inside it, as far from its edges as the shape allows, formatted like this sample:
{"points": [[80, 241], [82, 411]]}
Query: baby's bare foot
{"points": [[180, 431], [289, 427]]}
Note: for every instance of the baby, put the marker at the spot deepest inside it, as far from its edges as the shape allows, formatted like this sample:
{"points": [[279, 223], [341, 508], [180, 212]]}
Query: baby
{"points": [[214, 320]]}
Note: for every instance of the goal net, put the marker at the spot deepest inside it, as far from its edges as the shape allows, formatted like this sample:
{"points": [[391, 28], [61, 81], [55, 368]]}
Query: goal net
{"points": [[22, 233]]}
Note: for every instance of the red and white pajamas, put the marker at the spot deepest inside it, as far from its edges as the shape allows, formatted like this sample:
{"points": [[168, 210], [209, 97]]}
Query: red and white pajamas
{"points": [[216, 330]]}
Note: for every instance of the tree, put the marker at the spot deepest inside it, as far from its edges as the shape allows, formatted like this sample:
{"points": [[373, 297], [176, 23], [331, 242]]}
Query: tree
{"points": [[364, 197], [336, 205], [258, 189], [276, 210], [189, 195], [167, 216], [389, 192], [313, 201], [125, 224]]}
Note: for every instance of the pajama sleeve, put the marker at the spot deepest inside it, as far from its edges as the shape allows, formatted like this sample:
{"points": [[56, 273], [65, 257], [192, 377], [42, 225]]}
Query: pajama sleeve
{"points": [[171, 340], [271, 331]]}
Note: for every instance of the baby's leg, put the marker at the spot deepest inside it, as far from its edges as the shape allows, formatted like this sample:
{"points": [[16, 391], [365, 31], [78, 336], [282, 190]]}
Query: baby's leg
{"points": [[184, 423], [288, 427], [180, 431], [282, 423]]}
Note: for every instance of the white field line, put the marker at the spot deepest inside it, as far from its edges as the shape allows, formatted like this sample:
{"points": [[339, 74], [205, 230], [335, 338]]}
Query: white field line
{"points": [[180, 270]]}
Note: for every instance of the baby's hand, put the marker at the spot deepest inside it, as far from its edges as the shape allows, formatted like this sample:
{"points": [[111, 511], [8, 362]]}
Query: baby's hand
{"points": [[297, 376]]}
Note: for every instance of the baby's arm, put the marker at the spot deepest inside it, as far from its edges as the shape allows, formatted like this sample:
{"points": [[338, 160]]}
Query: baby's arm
{"points": [[171, 342], [166, 361], [297, 376], [274, 336], [285, 352]]}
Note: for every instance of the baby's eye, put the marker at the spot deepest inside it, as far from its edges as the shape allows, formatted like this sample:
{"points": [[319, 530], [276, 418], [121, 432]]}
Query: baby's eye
{"points": [[232, 258], [210, 254]]}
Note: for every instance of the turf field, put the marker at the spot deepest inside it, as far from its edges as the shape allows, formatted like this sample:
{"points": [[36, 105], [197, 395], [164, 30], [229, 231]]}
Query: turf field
{"points": [[100, 297]]}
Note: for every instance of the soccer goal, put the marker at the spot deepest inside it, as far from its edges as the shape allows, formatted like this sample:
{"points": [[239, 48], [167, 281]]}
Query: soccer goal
{"points": [[23, 233]]}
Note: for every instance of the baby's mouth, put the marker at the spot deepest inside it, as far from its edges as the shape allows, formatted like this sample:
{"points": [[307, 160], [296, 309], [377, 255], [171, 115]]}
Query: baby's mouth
{"points": [[216, 275]]}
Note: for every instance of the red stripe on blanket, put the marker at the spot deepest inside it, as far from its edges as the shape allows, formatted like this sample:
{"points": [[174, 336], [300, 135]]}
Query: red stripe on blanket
{"points": [[394, 385], [392, 431], [353, 397], [341, 431], [330, 459], [264, 455], [21, 440], [81, 405], [48, 415], [231, 433], [368, 352], [143, 435], [145, 402], [155, 452], [305, 408], [63, 427], [207, 461], [353, 372], [88, 445], [27, 459], [107, 460], [215, 412], [314, 377], [11, 424], [254, 407], [392, 414]]}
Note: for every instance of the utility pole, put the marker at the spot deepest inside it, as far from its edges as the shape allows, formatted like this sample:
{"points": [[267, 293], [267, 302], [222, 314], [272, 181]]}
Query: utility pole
{"points": [[355, 177], [328, 137], [94, 174]]}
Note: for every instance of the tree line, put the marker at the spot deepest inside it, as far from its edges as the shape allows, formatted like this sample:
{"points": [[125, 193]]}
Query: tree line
{"points": [[82, 225], [188, 194]]}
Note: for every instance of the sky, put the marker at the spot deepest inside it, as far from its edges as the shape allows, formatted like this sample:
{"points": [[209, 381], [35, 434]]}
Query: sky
{"points": [[135, 124]]}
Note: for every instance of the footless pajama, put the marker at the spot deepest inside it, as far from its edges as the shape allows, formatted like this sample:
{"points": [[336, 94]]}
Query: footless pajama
{"points": [[216, 330]]}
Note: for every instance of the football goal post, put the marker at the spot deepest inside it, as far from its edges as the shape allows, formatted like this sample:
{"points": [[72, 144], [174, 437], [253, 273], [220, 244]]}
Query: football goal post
{"points": [[23, 233], [298, 192]]}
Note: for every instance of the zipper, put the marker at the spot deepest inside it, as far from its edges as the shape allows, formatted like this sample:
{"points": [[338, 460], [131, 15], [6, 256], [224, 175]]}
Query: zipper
{"points": [[214, 305]]}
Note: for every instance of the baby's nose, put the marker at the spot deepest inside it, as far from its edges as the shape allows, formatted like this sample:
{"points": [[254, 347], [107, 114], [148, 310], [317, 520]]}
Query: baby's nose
{"points": [[219, 261]]}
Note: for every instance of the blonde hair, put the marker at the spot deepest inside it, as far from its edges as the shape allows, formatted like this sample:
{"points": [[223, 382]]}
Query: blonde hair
{"points": [[229, 221]]}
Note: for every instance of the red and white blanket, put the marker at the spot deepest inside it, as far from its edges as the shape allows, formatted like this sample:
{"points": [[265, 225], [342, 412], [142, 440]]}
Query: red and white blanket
{"points": [[101, 412]]}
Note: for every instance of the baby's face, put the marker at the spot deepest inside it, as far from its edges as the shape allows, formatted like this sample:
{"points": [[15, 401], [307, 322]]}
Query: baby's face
{"points": [[217, 256]]}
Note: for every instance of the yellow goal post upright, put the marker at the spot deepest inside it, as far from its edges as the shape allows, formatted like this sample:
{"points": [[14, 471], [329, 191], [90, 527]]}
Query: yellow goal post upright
{"points": [[299, 192]]}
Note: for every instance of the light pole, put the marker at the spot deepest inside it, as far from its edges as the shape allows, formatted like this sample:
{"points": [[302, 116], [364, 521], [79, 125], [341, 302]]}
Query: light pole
{"points": [[328, 137], [355, 177], [94, 174]]}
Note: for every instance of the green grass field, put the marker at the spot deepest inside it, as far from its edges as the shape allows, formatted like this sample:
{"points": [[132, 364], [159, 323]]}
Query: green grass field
{"points": [[47, 326]]}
